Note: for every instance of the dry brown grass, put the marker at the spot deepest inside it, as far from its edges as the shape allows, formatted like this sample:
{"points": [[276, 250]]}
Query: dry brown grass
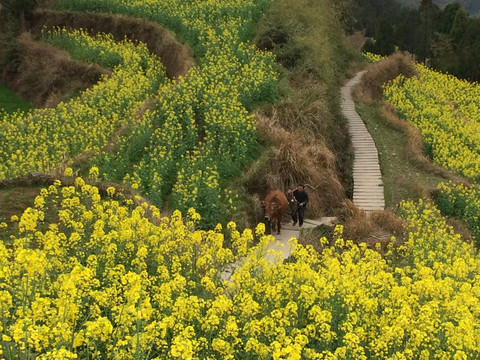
{"points": [[377, 74], [372, 228], [174, 55], [47, 75], [357, 40], [309, 112], [291, 161]]}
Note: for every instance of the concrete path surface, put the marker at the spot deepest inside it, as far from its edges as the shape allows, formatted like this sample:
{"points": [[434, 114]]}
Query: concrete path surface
{"points": [[288, 232], [280, 249], [367, 178]]}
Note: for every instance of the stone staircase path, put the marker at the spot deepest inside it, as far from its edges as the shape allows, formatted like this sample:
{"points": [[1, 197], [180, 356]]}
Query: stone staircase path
{"points": [[367, 178]]}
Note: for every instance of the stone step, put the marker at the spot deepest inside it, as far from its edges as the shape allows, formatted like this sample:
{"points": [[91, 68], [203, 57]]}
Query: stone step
{"points": [[371, 172], [365, 159], [362, 187], [374, 208], [364, 201], [367, 173], [370, 206], [367, 182], [365, 167], [365, 162], [367, 177], [369, 198], [365, 156], [365, 153]]}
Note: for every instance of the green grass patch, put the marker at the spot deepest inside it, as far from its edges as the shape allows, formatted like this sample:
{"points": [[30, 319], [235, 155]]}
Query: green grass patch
{"points": [[403, 179], [11, 102]]}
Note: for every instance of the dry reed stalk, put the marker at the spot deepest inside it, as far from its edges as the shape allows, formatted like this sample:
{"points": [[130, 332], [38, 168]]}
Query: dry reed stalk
{"points": [[291, 162]]}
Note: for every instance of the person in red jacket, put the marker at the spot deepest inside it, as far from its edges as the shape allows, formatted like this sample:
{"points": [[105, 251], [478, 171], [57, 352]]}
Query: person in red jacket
{"points": [[301, 197]]}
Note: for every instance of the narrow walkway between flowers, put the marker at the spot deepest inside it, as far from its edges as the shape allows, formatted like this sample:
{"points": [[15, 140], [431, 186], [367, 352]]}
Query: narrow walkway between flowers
{"points": [[367, 178], [280, 249], [288, 232]]}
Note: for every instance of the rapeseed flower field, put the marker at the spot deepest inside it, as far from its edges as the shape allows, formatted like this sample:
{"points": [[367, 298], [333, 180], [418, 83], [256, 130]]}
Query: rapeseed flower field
{"points": [[446, 110], [198, 134], [43, 139], [86, 277], [89, 278], [201, 132], [461, 202]]}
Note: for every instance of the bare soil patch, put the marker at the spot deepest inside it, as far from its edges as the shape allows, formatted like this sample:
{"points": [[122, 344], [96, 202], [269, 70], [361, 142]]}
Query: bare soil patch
{"points": [[47, 75], [175, 56]]}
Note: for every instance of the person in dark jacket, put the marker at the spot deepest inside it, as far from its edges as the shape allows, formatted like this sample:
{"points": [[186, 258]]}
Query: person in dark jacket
{"points": [[301, 197]]}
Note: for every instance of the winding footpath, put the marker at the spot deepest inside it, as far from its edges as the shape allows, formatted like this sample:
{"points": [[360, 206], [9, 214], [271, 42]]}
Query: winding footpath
{"points": [[368, 186], [367, 178]]}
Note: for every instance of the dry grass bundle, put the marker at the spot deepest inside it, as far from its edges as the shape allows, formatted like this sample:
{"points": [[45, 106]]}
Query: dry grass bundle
{"points": [[377, 74], [47, 75], [174, 55], [309, 110], [373, 227], [290, 162]]}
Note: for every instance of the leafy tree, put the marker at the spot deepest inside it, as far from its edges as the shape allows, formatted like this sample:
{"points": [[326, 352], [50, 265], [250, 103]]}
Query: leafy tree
{"points": [[345, 15], [445, 58], [19, 8], [406, 34], [367, 13], [471, 50], [429, 16], [459, 26], [447, 17], [384, 36]]}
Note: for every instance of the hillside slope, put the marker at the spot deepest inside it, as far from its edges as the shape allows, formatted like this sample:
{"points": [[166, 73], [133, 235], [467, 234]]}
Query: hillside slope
{"points": [[308, 112]]}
